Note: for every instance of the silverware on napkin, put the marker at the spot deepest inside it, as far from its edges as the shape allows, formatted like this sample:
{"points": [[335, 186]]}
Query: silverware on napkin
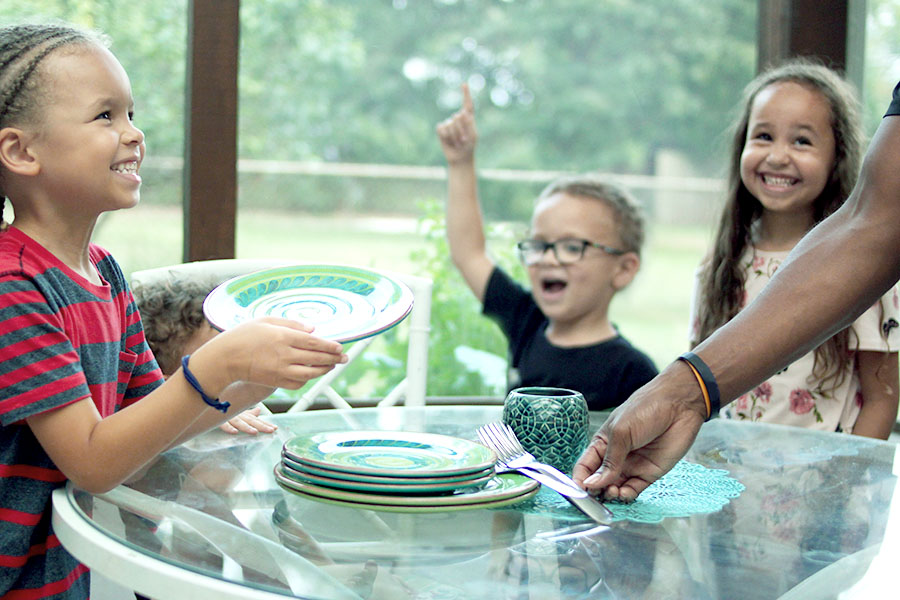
{"points": [[513, 457]]}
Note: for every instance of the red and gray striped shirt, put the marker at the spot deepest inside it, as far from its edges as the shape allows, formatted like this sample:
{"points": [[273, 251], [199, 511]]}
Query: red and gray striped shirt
{"points": [[62, 339]]}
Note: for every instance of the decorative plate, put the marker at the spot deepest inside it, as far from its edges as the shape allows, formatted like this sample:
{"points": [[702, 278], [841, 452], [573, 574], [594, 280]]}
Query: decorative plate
{"points": [[381, 479], [409, 485], [500, 487], [344, 303], [416, 509], [390, 453]]}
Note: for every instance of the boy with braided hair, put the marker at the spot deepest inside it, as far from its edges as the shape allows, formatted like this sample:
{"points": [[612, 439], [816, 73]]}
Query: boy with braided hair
{"points": [[81, 396]]}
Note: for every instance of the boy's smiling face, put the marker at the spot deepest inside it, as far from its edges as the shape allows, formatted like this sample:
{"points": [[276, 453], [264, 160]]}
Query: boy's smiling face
{"points": [[88, 147], [578, 294]]}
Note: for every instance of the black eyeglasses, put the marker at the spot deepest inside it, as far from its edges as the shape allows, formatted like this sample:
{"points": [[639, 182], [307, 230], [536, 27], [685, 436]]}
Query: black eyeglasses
{"points": [[567, 251]]}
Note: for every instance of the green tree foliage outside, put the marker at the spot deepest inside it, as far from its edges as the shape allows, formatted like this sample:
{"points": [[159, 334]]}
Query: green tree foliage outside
{"points": [[580, 86], [575, 86]]}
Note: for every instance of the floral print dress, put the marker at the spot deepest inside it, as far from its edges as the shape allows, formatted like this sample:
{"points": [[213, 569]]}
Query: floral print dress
{"points": [[792, 396]]}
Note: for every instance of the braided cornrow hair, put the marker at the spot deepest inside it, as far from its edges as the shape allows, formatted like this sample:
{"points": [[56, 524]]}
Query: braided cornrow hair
{"points": [[22, 48]]}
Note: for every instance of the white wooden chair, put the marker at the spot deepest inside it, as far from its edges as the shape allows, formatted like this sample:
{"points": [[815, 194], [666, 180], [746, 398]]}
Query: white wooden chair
{"points": [[214, 270], [412, 388]]}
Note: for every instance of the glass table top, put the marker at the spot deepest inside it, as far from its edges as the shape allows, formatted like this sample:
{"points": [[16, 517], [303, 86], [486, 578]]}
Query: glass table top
{"points": [[813, 513]]}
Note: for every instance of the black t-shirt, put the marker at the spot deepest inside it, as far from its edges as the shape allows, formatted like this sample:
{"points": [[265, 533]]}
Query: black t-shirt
{"points": [[605, 373], [894, 108]]}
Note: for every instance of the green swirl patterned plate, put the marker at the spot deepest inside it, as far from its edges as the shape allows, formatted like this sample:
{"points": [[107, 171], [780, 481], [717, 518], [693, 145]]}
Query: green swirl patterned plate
{"points": [[344, 303], [415, 509], [390, 453], [408, 485], [507, 486], [287, 461]]}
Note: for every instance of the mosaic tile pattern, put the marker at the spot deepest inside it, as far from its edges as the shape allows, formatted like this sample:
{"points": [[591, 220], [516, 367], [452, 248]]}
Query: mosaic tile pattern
{"points": [[551, 423]]}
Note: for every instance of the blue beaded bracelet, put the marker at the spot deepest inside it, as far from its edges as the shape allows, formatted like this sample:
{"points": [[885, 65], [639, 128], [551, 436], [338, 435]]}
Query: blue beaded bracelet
{"points": [[214, 402]]}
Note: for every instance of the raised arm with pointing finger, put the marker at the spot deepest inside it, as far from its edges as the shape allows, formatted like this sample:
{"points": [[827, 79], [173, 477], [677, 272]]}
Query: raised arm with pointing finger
{"points": [[850, 259], [465, 225], [584, 246]]}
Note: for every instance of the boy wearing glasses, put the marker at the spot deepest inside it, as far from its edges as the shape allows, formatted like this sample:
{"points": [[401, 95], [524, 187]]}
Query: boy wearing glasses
{"points": [[585, 244]]}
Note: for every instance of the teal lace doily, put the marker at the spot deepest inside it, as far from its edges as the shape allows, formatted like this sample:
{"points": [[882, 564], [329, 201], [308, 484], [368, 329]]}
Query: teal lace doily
{"points": [[688, 489]]}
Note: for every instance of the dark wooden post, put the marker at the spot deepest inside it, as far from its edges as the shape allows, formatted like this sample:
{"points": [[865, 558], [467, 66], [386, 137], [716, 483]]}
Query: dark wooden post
{"points": [[830, 30], [210, 172]]}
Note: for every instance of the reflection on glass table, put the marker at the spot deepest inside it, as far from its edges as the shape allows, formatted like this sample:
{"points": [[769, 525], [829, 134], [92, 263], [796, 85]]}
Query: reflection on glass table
{"points": [[209, 520]]}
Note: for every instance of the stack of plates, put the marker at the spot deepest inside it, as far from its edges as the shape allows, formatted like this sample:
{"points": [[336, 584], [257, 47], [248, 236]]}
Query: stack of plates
{"points": [[397, 471]]}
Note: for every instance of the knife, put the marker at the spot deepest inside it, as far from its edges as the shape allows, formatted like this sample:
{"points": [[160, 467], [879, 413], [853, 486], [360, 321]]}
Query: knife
{"points": [[566, 489], [576, 496], [592, 508]]}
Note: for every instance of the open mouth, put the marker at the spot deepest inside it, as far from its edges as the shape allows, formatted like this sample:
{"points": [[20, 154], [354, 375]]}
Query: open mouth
{"points": [[779, 180], [127, 168], [553, 285]]}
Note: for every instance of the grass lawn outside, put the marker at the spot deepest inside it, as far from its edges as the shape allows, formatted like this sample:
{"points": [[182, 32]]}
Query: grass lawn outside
{"points": [[653, 312], [151, 236]]}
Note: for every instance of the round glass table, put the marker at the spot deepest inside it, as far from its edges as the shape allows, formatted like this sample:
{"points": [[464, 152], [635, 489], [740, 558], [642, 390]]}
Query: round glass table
{"points": [[208, 520]]}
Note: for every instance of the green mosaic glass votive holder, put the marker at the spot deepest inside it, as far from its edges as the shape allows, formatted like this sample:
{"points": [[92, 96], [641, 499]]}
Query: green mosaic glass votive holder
{"points": [[551, 423]]}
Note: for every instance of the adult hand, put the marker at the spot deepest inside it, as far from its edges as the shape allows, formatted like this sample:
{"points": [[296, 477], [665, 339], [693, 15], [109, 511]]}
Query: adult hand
{"points": [[643, 438], [458, 134]]}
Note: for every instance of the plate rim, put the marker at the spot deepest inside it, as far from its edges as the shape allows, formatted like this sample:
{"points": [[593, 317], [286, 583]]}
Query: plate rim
{"points": [[489, 461], [422, 509], [525, 487], [374, 478], [401, 308], [411, 485]]}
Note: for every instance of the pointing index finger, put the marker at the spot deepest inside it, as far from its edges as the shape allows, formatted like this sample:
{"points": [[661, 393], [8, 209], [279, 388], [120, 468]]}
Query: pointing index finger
{"points": [[467, 104]]}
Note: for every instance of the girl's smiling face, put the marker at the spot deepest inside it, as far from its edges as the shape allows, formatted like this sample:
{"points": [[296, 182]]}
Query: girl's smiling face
{"points": [[581, 291], [789, 152]]}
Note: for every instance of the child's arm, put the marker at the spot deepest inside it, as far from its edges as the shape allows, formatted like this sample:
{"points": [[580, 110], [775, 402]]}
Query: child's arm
{"points": [[248, 422], [465, 226], [878, 379], [98, 454]]}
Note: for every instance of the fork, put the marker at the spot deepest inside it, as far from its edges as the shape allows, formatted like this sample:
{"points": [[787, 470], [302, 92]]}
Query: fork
{"points": [[562, 487], [503, 440], [515, 456]]}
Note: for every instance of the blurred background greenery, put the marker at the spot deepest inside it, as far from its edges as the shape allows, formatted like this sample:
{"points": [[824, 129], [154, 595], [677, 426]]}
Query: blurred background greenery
{"points": [[339, 161]]}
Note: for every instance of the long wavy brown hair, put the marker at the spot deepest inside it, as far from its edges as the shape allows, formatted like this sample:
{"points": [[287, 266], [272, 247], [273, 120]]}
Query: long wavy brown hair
{"points": [[722, 277]]}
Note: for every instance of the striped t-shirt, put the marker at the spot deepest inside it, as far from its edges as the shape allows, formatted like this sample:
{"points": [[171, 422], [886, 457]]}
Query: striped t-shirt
{"points": [[62, 339]]}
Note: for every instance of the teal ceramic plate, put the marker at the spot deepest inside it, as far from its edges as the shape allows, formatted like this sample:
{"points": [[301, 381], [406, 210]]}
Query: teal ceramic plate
{"points": [[409, 485], [415, 509], [506, 486], [390, 453], [380, 479], [344, 303]]}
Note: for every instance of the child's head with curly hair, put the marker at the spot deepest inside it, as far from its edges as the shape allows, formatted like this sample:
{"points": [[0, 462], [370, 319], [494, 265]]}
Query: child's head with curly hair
{"points": [[174, 324]]}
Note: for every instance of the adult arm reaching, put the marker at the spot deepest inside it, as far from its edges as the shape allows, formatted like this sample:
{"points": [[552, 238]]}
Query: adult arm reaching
{"points": [[831, 277]]}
